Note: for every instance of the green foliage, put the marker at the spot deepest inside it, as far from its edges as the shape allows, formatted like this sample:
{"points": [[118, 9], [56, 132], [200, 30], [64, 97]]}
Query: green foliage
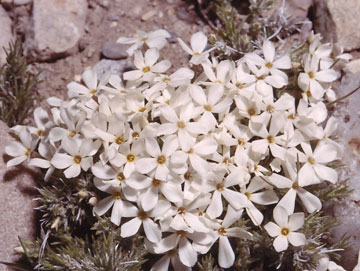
{"points": [[96, 253], [64, 204], [17, 87]]}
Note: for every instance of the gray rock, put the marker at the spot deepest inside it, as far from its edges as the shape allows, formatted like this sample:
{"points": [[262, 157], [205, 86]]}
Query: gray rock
{"points": [[295, 8], [58, 27], [22, 2], [338, 20], [113, 66], [6, 35], [16, 204], [114, 50], [348, 210]]}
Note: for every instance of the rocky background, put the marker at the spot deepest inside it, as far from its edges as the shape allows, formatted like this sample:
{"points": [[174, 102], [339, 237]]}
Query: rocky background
{"points": [[63, 37]]}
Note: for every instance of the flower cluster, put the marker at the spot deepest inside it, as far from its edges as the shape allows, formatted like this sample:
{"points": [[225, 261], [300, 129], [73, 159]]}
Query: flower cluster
{"points": [[185, 156]]}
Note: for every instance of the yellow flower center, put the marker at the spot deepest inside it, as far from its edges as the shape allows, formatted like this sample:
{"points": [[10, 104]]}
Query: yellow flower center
{"points": [[40, 132], [135, 135], [142, 109], [220, 186], [130, 157], [311, 75], [142, 215], [181, 211], [188, 176], [222, 231], [72, 133], [269, 65], [311, 160], [161, 159], [77, 159], [270, 139], [248, 195], [156, 182], [207, 107], [239, 85], [119, 140], [117, 197], [120, 176], [146, 69], [181, 124], [308, 93], [92, 91], [251, 111], [270, 109], [241, 141], [285, 231]]}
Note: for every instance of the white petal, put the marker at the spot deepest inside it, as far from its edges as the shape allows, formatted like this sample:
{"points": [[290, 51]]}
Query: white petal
{"points": [[272, 229], [296, 221], [226, 256], [161, 67], [149, 198], [310, 201], [281, 243], [151, 56], [187, 254], [326, 173], [103, 205], [15, 148], [281, 216], [215, 208], [268, 50], [61, 160], [239, 233], [41, 163], [131, 227], [162, 264], [198, 94], [16, 161], [90, 79], [296, 239], [288, 201], [72, 171], [145, 165], [151, 230], [198, 42]]}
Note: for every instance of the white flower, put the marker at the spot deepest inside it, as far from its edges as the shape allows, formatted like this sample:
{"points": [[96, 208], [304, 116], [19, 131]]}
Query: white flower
{"points": [[315, 170], [93, 86], [309, 80], [180, 124], [310, 201], [120, 208], [78, 156], [151, 229], [226, 255], [284, 229], [155, 39], [21, 151], [47, 151], [198, 44], [147, 66]]}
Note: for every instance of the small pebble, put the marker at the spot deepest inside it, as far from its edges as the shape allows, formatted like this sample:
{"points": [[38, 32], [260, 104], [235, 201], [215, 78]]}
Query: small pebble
{"points": [[148, 15], [161, 14], [113, 24], [114, 50], [113, 17], [77, 78]]}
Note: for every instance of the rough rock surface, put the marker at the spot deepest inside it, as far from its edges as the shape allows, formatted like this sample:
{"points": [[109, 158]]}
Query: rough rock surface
{"points": [[338, 20], [16, 204], [114, 50], [348, 210], [5, 33], [113, 66], [295, 8], [58, 26]]}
